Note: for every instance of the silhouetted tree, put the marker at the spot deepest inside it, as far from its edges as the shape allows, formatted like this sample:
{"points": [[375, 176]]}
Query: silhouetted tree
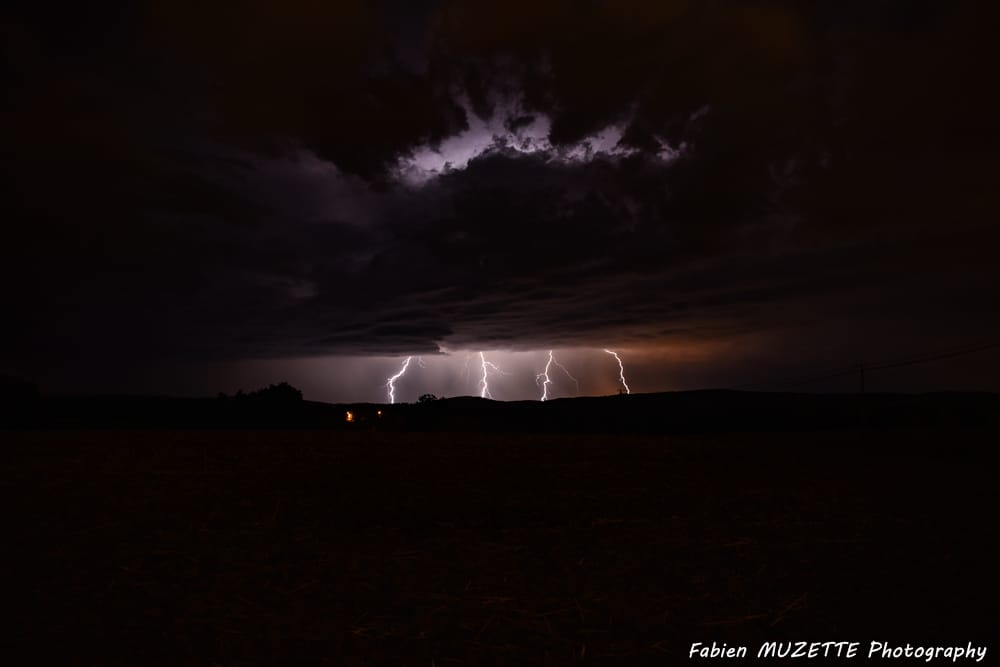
{"points": [[427, 398], [282, 393]]}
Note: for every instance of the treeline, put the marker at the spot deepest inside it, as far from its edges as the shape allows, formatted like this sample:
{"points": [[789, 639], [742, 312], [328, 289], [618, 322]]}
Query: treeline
{"points": [[275, 406], [282, 393]]}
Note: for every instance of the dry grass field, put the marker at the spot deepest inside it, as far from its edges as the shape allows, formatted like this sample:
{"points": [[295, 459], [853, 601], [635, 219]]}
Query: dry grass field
{"points": [[427, 549]]}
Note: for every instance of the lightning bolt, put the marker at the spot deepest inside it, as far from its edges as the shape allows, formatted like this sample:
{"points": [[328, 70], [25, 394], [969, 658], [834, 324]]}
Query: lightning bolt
{"points": [[621, 370], [568, 374], [545, 374], [391, 382], [484, 383], [543, 380]]}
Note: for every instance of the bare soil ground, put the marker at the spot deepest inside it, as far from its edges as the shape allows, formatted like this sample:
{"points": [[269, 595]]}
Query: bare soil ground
{"points": [[427, 549]]}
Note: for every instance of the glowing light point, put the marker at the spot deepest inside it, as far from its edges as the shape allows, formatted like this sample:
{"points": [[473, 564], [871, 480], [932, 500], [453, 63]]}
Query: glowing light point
{"points": [[621, 370], [391, 382]]}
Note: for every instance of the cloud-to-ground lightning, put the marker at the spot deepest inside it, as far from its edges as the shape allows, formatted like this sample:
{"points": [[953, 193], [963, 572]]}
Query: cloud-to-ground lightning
{"points": [[568, 374], [621, 370], [484, 383], [544, 377], [543, 380], [391, 382]]}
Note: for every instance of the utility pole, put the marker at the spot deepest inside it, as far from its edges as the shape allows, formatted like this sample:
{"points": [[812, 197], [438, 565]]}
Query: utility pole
{"points": [[862, 369]]}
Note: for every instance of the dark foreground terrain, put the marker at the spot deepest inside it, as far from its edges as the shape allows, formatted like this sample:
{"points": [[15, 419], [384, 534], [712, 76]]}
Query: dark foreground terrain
{"points": [[367, 548]]}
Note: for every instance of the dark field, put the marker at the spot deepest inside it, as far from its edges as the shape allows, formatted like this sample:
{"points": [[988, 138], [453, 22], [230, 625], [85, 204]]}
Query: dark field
{"points": [[449, 549]]}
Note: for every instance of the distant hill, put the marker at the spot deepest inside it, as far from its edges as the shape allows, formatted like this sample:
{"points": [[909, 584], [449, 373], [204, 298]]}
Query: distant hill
{"points": [[675, 412], [17, 389]]}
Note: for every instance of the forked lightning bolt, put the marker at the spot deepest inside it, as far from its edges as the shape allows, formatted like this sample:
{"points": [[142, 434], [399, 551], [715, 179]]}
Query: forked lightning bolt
{"points": [[568, 374], [621, 370], [543, 380], [544, 377], [484, 383], [391, 382]]}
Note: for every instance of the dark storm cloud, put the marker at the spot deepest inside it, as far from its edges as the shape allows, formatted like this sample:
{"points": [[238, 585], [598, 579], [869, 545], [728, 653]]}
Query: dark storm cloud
{"points": [[189, 180], [325, 75]]}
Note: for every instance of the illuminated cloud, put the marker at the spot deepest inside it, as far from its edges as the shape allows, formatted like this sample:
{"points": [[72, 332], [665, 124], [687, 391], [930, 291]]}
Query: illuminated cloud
{"points": [[307, 180], [519, 131]]}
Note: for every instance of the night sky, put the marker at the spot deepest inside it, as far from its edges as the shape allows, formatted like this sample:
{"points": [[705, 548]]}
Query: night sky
{"points": [[201, 197]]}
